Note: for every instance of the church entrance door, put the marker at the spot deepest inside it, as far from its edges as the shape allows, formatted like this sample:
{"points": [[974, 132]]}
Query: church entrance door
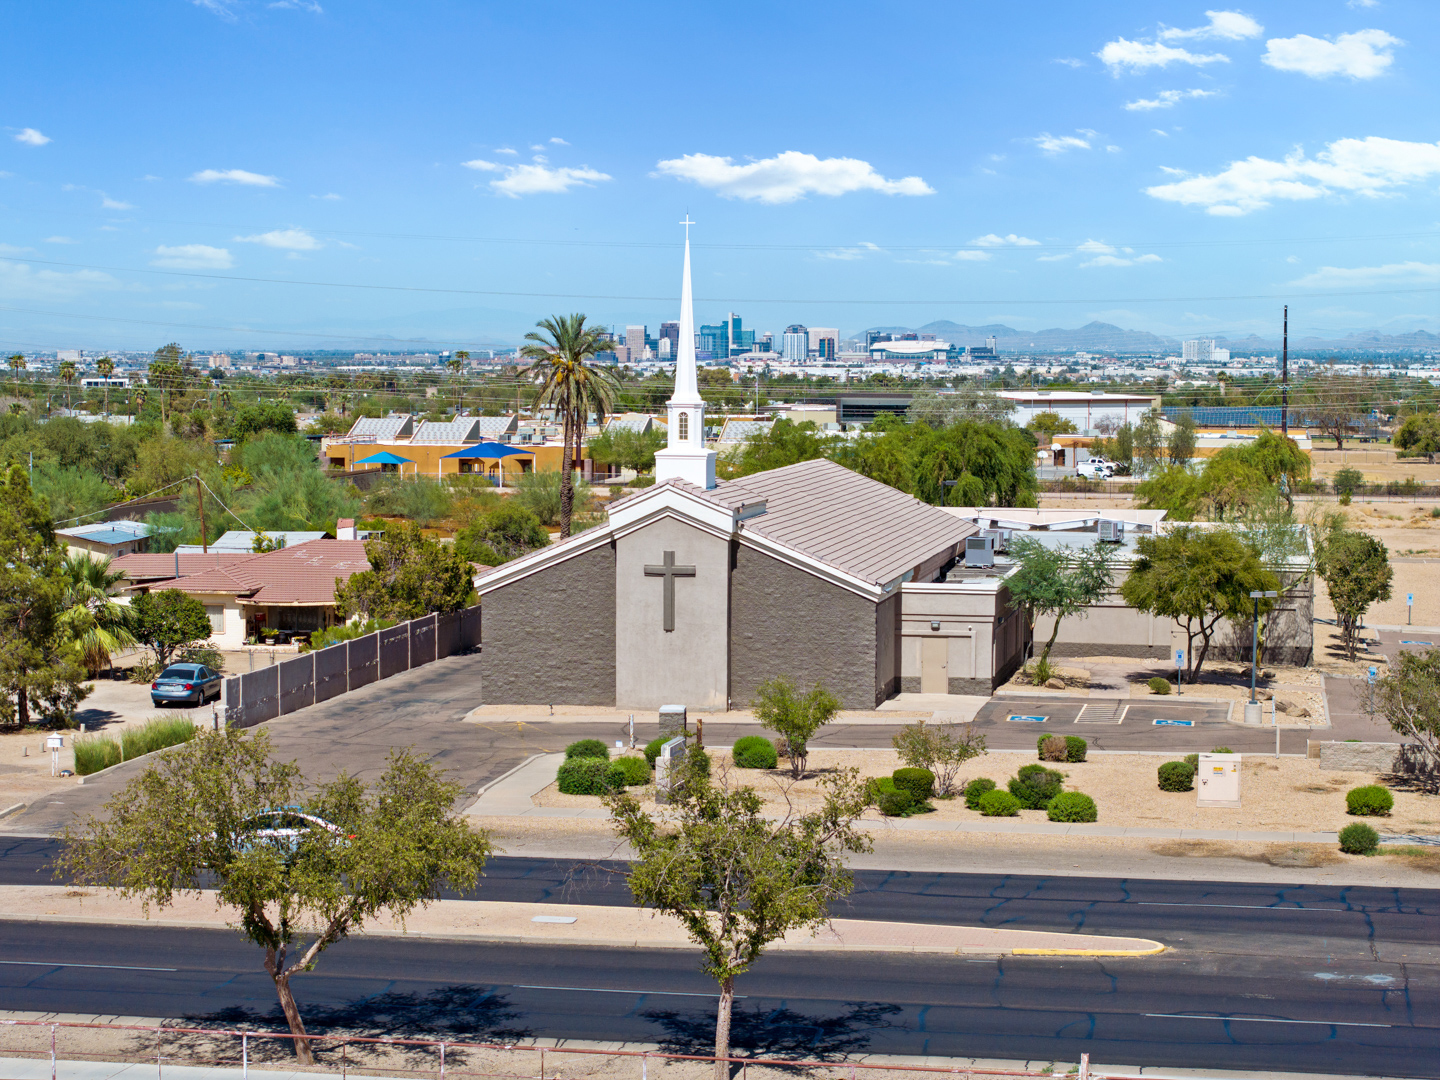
{"points": [[934, 665]]}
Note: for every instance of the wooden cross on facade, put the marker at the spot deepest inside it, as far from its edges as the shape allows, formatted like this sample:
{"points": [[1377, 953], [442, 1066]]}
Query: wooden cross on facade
{"points": [[669, 571]]}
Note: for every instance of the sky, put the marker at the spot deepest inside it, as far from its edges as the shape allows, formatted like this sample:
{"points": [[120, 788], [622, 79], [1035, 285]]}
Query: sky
{"points": [[294, 174]]}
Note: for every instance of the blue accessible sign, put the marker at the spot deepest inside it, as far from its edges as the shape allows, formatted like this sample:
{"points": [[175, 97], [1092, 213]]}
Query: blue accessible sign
{"points": [[1027, 719], [1174, 723]]}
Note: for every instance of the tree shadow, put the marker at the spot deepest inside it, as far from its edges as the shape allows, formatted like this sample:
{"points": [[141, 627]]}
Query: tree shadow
{"points": [[781, 1032]]}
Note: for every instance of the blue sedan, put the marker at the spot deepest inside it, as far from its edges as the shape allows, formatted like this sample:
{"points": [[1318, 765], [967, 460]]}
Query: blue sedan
{"points": [[189, 684]]}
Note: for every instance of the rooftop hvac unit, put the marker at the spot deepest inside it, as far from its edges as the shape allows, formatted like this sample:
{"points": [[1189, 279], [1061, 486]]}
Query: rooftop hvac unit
{"points": [[980, 551], [999, 537], [1112, 532]]}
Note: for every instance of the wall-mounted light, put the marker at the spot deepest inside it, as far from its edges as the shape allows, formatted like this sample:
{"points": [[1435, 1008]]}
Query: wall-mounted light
{"points": [[934, 626]]}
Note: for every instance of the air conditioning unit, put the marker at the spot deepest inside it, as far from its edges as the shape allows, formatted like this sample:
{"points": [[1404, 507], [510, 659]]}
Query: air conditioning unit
{"points": [[980, 551], [1112, 532], [1000, 538]]}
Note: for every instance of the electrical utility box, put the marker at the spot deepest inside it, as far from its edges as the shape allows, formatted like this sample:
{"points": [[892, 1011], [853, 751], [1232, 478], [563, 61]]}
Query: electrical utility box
{"points": [[1219, 780]]}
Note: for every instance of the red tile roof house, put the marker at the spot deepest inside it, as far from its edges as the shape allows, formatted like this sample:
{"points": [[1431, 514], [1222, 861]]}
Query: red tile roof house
{"points": [[291, 590]]}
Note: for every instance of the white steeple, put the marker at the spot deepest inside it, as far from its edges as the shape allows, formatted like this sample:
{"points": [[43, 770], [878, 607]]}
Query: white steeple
{"points": [[685, 456]]}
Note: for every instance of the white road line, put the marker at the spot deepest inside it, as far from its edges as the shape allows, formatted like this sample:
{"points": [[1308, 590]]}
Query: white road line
{"points": [[607, 990], [1243, 907], [107, 967], [1262, 1020]]}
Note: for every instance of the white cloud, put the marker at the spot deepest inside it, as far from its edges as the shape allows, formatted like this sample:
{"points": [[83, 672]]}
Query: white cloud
{"points": [[507, 150], [11, 249], [298, 5], [971, 255], [19, 281], [1058, 144], [992, 240], [1103, 254], [31, 137], [1070, 61], [108, 203], [192, 257], [1338, 276], [558, 141], [60, 240], [235, 176], [284, 239], [850, 254], [1139, 55], [1161, 132], [1371, 166], [1361, 55], [1225, 25], [787, 176], [329, 196], [1168, 99], [1053, 258], [222, 8], [536, 179], [1362, 3]]}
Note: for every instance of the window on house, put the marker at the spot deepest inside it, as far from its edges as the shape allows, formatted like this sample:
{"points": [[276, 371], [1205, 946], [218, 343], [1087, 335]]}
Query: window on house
{"points": [[683, 427], [217, 617]]}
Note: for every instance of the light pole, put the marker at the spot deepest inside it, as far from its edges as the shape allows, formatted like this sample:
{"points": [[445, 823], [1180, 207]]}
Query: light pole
{"points": [[1252, 708]]}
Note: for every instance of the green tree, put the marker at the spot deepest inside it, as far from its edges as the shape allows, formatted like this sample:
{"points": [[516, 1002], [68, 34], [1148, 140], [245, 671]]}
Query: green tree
{"points": [[1180, 446], [187, 824], [541, 494], [251, 420], [67, 378], [1196, 577], [1230, 485], [17, 365], [1276, 456], [1149, 442], [504, 533], [1357, 572], [167, 621], [167, 375], [92, 618], [1174, 489], [1047, 425], [627, 448], [794, 716], [1407, 697], [736, 880], [409, 576], [786, 443], [1058, 583], [567, 379], [941, 748], [941, 408], [41, 674], [105, 367], [1419, 434]]}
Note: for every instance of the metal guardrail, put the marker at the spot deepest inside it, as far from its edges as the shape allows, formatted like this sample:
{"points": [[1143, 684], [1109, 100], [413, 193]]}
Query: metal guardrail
{"points": [[547, 1060]]}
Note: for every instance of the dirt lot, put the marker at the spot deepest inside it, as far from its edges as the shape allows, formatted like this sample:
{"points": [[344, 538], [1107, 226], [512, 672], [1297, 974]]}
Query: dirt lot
{"points": [[1378, 463], [1284, 794]]}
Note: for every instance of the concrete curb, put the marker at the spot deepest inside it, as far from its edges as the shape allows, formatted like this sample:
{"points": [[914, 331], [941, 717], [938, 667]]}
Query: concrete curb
{"points": [[13, 809], [128, 761]]}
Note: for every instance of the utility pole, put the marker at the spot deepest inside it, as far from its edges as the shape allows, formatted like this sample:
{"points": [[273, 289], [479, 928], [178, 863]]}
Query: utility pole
{"points": [[1285, 375], [200, 501]]}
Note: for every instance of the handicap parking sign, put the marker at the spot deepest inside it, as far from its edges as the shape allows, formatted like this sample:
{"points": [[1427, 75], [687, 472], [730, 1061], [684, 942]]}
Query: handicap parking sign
{"points": [[1027, 719], [1174, 723], [1372, 674]]}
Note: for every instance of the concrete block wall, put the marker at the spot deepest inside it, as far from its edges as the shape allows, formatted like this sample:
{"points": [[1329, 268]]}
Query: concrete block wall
{"points": [[257, 696]]}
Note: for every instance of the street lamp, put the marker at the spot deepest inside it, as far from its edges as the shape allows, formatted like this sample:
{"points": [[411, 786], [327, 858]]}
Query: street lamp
{"points": [[1256, 596]]}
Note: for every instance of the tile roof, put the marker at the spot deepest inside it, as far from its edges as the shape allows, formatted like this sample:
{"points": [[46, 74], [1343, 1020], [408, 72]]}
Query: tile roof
{"points": [[300, 575], [737, 431], [848, 521], [243, 540], [144, 568]]}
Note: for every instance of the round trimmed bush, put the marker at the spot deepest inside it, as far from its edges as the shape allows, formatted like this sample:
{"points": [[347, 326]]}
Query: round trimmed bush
{"points": [[698, 761], [1359, 839], [652, 748], [1159, 686], [976, 789], [586, 748], [1372, 800], [920, 783], [1076, 748], [1034, 786], [998, 803], [877, 786], [1071, 806], [754, 752], [1176, 776], [584, 776], [627, 772], [895, 803]]}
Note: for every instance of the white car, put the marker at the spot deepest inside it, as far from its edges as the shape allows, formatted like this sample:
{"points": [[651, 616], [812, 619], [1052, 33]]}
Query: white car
{"points": [[1095, 469]]}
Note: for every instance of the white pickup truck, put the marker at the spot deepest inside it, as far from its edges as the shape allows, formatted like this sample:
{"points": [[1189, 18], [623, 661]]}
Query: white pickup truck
{"points": [[1096, 469]]}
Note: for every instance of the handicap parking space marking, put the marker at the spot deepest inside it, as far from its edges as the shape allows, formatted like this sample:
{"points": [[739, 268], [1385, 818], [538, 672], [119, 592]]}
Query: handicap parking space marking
{"points": [[1026, 719], [1403, 642], [1174, 723]]}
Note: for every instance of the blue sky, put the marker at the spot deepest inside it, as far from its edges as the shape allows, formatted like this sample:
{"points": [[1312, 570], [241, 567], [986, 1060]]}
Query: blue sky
{"points": [[1165, 166]]}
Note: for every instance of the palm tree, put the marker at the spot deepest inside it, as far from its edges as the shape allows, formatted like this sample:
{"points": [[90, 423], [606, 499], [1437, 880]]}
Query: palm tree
{"points": [[456, 364], [67, 376], [17, 365], [560, 366], [105, 367], [91, 616]]}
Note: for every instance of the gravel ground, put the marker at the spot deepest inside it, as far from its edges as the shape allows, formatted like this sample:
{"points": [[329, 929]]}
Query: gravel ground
{"points": [[1284, 794]]}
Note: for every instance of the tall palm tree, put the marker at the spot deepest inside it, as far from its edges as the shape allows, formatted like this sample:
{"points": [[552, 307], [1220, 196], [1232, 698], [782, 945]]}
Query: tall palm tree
{"points": [[456, 364], [105, 367], [91, 616], [567, 380], [67, 376], [17, 365]]}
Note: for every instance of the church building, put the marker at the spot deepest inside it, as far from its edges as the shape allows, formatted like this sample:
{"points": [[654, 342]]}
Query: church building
{"points": [[695, 591]]}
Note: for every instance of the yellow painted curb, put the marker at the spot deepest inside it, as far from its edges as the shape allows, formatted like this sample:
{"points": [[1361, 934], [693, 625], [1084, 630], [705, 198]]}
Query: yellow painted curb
{"points": [[1090, 952]]}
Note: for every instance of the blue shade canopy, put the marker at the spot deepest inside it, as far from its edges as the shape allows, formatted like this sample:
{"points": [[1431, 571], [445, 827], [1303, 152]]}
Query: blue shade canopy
{"points": [[384, 459], [488, 450]]}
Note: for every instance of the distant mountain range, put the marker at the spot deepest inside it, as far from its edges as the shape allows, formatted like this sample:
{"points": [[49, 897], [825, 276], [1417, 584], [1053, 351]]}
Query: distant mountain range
{"points": [[1106, 337]]}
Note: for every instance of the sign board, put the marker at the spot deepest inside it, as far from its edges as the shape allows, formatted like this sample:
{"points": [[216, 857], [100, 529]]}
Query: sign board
{"points": [[1409, 599], [1174, 723], [54, 742], [666, 762], [1373, 673], [1027, 719], [1219, 780]]}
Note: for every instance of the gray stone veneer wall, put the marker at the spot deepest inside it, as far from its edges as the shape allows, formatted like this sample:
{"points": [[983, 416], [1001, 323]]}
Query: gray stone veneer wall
{"points": [[550, 637], [784, 621], [887, 647], [1076, 648]]}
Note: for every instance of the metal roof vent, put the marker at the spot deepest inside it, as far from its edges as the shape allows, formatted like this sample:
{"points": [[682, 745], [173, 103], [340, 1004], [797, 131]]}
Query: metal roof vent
{"points": [[980, 551], [1112, 532], [1000, 537]]}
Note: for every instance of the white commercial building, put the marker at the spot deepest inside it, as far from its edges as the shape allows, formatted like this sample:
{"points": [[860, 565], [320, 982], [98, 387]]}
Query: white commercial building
{"points": [[1087, 411], [796, 344]]}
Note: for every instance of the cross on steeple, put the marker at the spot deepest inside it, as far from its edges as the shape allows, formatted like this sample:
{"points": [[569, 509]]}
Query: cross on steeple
{"points": [[687, 223], [669, 571]]}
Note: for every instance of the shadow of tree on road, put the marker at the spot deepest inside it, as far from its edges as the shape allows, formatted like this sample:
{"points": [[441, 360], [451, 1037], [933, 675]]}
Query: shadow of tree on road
{"points": [[776, 1032]]}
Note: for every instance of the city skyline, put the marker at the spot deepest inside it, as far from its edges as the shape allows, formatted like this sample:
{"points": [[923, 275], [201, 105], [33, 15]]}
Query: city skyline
{"points": [[1161, 167]]}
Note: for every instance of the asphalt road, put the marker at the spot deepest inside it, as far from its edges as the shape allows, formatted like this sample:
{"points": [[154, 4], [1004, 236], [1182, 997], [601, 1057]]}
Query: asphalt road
{"points": [[1238, 1011]]}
